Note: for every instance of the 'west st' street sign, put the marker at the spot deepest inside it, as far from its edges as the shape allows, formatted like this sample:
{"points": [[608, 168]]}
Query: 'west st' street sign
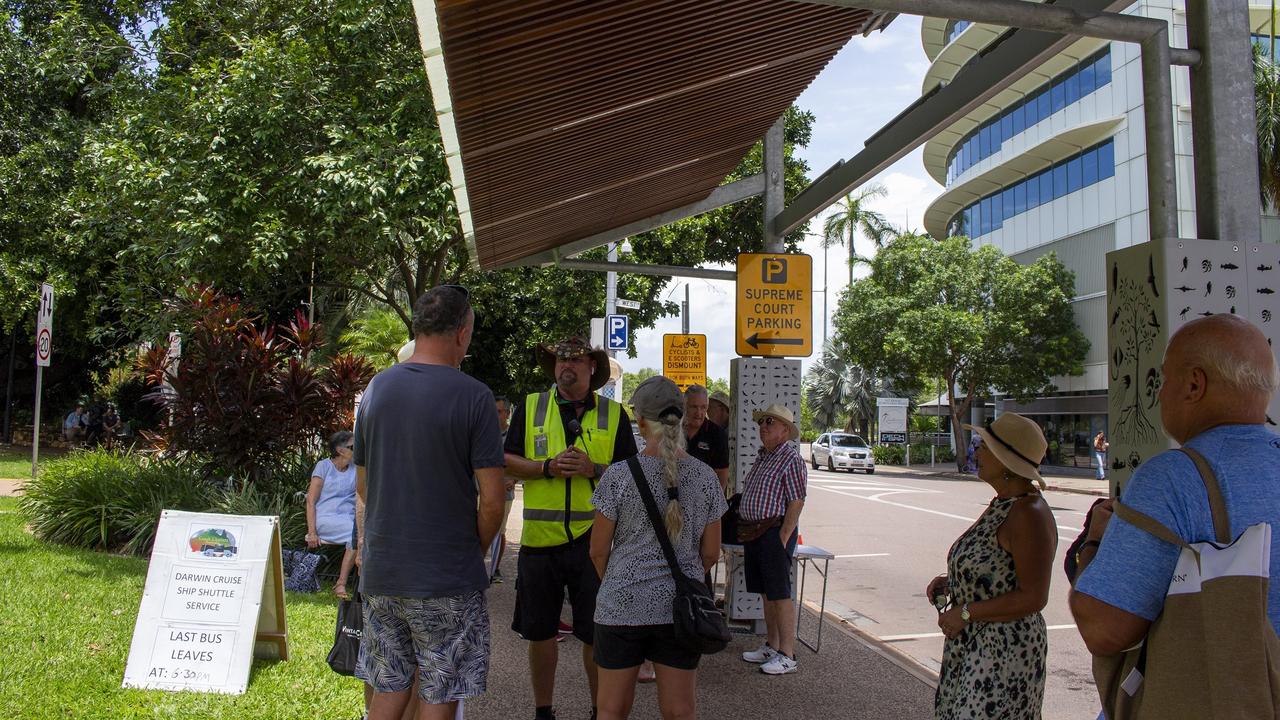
{"points": [[775, 305]]}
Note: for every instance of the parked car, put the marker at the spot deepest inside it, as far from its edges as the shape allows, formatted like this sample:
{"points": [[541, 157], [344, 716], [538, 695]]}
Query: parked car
{"points": [[842, 451]]}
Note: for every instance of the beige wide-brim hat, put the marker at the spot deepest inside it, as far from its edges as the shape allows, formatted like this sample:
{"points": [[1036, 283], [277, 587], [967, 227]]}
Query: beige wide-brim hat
{"points": [[779, 412], [1017, 442], [722, 398]]}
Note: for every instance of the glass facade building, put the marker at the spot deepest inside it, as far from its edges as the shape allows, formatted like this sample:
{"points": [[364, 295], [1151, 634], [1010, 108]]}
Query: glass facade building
{"points": [[1069, 86]]}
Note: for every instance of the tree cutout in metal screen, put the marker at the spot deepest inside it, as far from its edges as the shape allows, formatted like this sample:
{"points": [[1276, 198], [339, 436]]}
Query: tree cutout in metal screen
{"points": [[1135, 365]]}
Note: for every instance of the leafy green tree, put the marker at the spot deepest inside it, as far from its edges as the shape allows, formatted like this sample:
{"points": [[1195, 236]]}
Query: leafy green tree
{"points": [[841, 393], [377, 336], [853, 215], [1266, 87], [974, 318]]}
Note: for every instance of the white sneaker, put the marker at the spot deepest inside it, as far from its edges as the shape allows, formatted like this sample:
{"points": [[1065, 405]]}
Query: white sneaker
{"points": [[779, 664], [762, 654]]}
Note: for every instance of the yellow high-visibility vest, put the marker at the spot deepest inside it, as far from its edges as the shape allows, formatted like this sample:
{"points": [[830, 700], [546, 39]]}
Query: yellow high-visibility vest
{"points": [[558, 510]]}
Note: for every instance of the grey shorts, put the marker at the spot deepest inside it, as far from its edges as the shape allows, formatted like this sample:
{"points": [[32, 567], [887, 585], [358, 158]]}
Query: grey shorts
{"points": [[445, 640]]}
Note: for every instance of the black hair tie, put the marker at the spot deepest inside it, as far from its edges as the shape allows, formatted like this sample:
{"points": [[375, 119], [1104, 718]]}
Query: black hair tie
{"points": [[673, 493]]}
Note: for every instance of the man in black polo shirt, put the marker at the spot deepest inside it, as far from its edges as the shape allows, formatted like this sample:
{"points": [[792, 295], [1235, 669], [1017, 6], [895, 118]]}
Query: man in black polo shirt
{"points": [[708, 442]]}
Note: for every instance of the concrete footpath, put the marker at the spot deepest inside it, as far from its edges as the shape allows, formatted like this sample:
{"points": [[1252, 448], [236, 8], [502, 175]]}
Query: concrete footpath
{"points": [[851, 678]]}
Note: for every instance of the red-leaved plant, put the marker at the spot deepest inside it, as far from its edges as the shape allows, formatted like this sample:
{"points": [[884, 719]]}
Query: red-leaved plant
{"points": [[241, 397]]}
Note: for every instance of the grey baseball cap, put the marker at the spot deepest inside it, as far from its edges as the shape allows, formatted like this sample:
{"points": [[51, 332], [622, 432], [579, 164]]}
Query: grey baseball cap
{"points": [[657, 398]]}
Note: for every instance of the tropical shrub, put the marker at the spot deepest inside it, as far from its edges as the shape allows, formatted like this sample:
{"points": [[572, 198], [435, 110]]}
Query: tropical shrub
{"points": [[108, 500], [290, 507], [244, 395], [889, 454]]}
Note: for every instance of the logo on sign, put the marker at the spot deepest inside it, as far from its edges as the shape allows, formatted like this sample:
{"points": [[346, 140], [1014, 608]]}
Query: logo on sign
{"points": [[616, 332], [773, 271], [213, 542], [886, 438]]}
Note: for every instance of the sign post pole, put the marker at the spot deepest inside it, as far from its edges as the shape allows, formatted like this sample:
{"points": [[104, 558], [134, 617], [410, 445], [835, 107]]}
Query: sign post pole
{"points": [[44, 350]]}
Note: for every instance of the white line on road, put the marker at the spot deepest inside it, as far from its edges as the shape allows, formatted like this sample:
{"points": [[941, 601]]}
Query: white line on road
{"points": [[876, 498], [925, 636], [862, 555]]}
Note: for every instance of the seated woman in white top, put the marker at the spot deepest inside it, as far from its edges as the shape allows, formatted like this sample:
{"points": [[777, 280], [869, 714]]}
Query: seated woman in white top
{"points": [[331, 504]]}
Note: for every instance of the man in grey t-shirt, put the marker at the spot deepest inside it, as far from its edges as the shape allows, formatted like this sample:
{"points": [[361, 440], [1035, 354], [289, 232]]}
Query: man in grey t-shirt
{"points": [[429, 467]]}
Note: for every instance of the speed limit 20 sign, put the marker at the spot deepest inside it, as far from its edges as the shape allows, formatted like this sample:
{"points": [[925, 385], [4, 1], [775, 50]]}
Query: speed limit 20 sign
{"points": [[44, 326]]}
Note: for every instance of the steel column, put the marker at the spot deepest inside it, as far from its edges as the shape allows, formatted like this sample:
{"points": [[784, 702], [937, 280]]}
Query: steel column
{"points": [[774, 172], [1224, 134]]}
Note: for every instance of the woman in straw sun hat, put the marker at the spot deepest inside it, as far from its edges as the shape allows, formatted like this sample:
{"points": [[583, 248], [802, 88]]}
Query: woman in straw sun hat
{"points": [[997, 582]]}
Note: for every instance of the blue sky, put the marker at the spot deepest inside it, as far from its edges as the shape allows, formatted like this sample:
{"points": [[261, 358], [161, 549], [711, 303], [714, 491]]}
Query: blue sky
{"points": [[866, 85]]}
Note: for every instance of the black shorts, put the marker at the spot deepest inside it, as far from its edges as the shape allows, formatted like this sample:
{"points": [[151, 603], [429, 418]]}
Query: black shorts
{"points": [[619, 647], [542, 577], [767, 565]]}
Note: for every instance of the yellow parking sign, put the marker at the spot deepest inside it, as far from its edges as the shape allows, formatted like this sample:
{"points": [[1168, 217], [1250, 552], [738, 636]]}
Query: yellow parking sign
{"points": [[684, 359], [775, 305]]}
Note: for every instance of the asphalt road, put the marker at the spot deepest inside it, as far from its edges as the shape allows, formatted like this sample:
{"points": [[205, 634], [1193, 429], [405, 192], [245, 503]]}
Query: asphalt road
{"points": [[890, 533]]}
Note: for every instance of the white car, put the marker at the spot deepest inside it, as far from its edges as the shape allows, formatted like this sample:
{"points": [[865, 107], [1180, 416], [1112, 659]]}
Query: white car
{"points": [[842, 451]]}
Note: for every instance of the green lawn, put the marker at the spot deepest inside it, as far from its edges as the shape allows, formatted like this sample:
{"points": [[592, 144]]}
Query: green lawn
{"points": [[66, 626], [15, 460]]}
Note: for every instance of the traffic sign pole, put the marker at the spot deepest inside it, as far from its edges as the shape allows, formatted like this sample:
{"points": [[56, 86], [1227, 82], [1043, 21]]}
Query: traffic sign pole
{"points": [[44, 352], [35, 430]]}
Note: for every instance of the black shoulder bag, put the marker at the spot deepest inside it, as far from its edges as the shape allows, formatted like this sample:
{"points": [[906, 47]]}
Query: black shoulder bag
{"points": [[699, 625]]}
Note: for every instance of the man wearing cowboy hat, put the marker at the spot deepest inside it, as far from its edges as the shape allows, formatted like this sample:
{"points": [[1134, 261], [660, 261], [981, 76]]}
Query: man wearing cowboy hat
{"points": [[718, 409], [559, 443], [772, 498]]}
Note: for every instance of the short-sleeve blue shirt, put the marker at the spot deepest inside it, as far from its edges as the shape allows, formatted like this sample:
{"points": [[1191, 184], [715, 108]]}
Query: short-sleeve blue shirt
{"points": [[1132, 570]]}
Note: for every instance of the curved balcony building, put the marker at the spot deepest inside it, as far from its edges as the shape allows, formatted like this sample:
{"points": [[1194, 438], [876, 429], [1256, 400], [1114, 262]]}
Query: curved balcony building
{"points": [[1056, 163]]}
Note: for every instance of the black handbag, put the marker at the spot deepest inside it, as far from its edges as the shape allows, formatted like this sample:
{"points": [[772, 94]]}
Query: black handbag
{"points": [[346, 638], [700, 626]]}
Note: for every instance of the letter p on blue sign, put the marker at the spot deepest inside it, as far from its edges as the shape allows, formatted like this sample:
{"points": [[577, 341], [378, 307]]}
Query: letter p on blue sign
{"points": [[615, 330], [774, 271]]}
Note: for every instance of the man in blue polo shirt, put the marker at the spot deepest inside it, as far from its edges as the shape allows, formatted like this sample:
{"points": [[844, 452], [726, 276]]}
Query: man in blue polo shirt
{"points": [[1219, 376]]}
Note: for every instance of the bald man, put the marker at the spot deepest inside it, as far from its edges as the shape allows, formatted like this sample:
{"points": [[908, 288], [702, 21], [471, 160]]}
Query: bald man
{"points": [[1219, 376]]}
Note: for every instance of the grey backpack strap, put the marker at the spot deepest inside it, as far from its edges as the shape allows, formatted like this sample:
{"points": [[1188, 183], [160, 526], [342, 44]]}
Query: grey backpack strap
{"points": [[1217, 503], [1147, 524]]}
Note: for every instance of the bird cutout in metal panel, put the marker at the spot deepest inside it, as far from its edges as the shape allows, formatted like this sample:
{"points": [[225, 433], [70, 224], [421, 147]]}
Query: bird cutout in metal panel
{"points": [[1183, 288], [1266, 291], [1208, 288], [1184, 312], [1229, 266], [1206, 313], [1266, 318], [1184, 264], [1265, 268], [1206, 265], [1231, 291]]}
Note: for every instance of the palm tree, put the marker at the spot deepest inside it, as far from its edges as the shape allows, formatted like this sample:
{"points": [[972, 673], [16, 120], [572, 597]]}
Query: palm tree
{"points": [[841, 392], [1266, 87], [852, 215], [378, 335]]}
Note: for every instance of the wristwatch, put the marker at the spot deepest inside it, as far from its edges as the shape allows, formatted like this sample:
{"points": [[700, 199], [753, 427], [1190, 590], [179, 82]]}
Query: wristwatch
{"points": [[964, 613]]}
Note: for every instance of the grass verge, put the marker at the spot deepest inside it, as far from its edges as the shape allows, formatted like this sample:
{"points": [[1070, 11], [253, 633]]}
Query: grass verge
{"points": [[68, 621], [15, 460]]}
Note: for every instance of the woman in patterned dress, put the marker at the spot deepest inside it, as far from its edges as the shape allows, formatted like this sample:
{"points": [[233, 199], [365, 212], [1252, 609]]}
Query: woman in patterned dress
{"points": [[997, 582]]}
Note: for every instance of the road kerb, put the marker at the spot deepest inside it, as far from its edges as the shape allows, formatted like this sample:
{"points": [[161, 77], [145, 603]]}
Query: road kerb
{"points": [[885, 650]]}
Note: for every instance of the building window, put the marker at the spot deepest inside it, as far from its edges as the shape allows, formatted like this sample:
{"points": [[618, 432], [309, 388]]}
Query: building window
{"points": [[1062, 178], [1073, 84], [954, 28]]}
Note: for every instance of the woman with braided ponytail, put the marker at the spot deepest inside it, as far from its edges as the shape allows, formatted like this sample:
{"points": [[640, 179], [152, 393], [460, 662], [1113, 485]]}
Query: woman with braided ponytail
{"points": [[633, 621]]}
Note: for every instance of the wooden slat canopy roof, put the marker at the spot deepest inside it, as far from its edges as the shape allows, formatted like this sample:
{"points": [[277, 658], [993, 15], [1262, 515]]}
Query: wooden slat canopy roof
{"points": [[566, 118]]}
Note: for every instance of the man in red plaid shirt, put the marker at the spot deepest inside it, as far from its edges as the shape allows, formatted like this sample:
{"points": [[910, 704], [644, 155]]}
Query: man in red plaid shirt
{"points": [[772, 498]]}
